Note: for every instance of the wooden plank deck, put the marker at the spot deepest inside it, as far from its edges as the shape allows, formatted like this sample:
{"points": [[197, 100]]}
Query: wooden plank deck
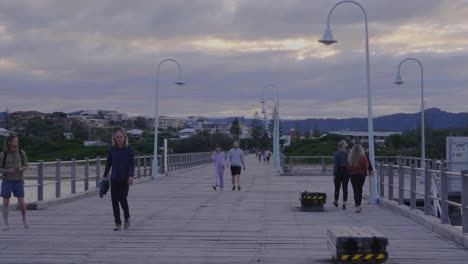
{"points": [[180, 219]]}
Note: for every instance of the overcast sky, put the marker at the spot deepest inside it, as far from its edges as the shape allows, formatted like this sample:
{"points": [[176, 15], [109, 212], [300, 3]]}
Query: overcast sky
{"points": [[68, 55]]}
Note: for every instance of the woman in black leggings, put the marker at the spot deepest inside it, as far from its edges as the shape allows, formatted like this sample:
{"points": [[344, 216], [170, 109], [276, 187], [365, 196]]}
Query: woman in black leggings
{"points": [[340, 173], [357, 167]]}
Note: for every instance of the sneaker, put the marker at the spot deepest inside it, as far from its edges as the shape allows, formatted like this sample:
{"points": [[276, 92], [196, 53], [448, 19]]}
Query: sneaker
{"points": [[6, 228], [117, 227], [127, 224], [335, 203], [233, 188], [358, 210], [238, 188], [343, 207], [214, 187]]}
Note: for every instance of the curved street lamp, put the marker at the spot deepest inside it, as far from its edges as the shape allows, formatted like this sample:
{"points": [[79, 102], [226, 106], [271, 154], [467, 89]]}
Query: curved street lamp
{"points": [[399, 81], [154, 170], [328, 39], [276, 148]]}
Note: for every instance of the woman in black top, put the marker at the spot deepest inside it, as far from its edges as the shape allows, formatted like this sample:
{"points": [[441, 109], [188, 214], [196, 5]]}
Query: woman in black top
{"points": [[340, 173], [121, 164]]}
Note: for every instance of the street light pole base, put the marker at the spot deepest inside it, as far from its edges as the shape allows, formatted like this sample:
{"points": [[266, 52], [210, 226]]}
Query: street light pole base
{"points": [[154, 169]]}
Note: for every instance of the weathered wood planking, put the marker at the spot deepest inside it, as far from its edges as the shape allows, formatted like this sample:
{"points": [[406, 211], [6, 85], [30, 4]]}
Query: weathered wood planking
{"points": [[180, 219]]}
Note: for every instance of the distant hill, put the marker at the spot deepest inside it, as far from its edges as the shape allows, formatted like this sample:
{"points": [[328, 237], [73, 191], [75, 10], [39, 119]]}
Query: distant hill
{"points": [[401, 122]]}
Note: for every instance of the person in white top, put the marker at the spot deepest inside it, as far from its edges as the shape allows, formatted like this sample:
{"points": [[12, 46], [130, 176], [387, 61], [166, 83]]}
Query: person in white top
{"points": [[235, 159]]}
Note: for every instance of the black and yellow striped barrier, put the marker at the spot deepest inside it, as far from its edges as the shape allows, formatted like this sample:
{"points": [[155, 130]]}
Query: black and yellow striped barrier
{"points": [[313, 200], [376, 258]]}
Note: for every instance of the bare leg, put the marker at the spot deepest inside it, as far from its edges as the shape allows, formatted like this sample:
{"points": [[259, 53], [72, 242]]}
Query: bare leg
{"points": [[22, 206], [238, 180], [6, 203]]}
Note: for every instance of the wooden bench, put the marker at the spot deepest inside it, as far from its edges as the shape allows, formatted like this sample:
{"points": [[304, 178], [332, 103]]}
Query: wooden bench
{"points": [[352, 244], [313, 201]]}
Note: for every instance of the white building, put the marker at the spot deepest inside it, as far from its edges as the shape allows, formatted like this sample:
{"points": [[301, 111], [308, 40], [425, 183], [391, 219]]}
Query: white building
{"points": [[115, 116], [166, 122], [362, 136], [101, 123], [135, 133], [187, 132]]}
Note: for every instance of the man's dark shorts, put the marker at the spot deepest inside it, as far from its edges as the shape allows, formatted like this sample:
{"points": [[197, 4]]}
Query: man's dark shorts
{"points": [[235, 170], [15, 187]]}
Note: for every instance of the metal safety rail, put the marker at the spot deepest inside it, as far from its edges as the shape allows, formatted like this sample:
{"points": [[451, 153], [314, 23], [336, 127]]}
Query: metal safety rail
{"points": [[51, 180], [405, 179]]}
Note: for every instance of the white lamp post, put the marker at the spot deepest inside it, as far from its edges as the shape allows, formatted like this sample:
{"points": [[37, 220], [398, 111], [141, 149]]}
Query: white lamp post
{"points": [[328, 39], [154, 169], [276, 147], [399, 81]]}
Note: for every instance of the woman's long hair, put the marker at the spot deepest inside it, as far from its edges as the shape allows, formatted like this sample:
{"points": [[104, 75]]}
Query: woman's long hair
{"points": [[356, 152], [114, 144]]}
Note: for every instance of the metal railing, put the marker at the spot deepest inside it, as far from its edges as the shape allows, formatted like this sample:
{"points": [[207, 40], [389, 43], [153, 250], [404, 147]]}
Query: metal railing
{"points": [[403, 177], [46, 181]]}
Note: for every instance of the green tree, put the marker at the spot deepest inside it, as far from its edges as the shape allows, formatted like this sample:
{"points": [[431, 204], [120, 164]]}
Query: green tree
{"points": [[256, 131], [140, 122], [235, 128]]}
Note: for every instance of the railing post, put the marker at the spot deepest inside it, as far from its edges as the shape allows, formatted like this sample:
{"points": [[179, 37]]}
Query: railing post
{"points": [[413, 187], [40, 180], [464, 193], [164, 168], [444, 215], [73, 176], [323, 165], [427, 192], [144, 165], [98, 171], [57, 178], [138, 165], [390, 181], [86, 175], [401, 182], [382, 178]]}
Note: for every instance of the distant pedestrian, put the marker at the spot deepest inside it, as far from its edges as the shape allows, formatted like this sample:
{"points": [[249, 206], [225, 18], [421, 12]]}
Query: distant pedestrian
{"points": [[235, 159], [218, 159], [340, 173], [357, 168], [259, 156], [267, 156], [120, 158], [263, 154], [13, 163]]}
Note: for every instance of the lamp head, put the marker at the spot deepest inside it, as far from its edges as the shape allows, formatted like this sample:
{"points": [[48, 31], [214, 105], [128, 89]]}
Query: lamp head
{"points": [[327, 37], [180, 82], [398, 79]]}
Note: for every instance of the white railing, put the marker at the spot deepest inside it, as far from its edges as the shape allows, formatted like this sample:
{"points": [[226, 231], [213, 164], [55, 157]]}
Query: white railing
{"points": [[46, 181], [434, 190]]}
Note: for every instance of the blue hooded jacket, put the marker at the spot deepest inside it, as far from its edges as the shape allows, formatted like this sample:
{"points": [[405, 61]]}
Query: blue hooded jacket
{"points": [[122, 162]]}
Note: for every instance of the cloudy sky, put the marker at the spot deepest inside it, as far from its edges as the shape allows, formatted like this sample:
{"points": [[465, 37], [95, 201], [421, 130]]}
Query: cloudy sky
{"points": [[67, 55]]}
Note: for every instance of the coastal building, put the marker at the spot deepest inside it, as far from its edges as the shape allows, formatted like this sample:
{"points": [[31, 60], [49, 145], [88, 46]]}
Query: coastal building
{"points": [[362, 136]]}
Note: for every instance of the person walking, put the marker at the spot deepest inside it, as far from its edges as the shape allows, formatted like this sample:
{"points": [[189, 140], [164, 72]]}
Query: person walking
{"points": [[13, 163], [218, 159], [267, 156], [235, 159], [340, 173], [120, 158], [357, 168]]}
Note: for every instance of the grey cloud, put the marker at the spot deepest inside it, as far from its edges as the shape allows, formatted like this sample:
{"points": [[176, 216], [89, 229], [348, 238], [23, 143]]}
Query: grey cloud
{"points": [[84, 50]]}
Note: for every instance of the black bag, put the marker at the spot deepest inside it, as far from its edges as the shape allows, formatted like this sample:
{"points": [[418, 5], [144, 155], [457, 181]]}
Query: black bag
{"points": [[313, 200]]}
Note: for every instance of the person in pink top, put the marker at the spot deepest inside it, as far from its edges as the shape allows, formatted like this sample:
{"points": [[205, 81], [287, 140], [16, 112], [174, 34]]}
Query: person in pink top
{"points": [[218, 159]]}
